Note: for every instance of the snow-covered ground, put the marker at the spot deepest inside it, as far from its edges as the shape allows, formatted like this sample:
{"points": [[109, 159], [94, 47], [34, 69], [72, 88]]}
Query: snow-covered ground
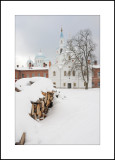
{"points": [[73, 119]]}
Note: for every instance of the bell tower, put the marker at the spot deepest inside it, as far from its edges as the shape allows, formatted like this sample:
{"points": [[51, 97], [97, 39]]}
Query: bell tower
{"points": [[61, 42]]}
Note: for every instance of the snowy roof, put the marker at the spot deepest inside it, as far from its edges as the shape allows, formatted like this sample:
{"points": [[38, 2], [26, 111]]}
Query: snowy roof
{"points": [[32, 68], [46, 59], [96, 66]]}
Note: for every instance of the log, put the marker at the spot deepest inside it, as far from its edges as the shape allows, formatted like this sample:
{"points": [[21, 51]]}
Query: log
{"points": [[38, 109], [17, 90], [32, 109], [43, 106], [35, 117], [44, 94], [22, 141]]}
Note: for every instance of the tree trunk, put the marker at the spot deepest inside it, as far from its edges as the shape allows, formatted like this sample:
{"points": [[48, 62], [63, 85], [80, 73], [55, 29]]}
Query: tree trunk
{"points": [[86, 86]]}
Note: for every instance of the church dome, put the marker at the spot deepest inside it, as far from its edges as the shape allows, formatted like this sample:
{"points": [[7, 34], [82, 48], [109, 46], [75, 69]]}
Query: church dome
{"points": [[29, 61], [39, 55]]}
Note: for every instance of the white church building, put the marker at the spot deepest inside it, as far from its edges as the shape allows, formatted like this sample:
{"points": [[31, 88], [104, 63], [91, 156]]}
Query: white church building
{"points": [[61, 73]]}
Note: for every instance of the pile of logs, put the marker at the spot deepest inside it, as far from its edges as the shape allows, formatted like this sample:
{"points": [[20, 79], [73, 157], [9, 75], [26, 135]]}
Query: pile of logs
{"points": [[41, 106]]}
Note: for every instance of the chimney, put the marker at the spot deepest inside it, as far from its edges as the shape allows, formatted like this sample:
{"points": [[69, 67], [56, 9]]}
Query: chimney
{"points": [[95, 62], [49, 63]]}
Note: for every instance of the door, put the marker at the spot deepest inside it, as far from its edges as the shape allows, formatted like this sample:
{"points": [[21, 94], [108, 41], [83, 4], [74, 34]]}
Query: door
{"points": [[69, 85]]}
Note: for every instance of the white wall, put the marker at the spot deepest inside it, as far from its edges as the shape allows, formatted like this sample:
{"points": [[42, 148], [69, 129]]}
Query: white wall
{"points": [[66, 79]]}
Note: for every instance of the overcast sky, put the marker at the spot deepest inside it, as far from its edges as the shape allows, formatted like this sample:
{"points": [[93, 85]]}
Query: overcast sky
{"points": [[43, 32]]}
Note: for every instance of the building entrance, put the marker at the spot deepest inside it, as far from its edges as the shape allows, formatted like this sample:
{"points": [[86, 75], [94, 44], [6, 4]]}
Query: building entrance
{"points": [[69, 85]]}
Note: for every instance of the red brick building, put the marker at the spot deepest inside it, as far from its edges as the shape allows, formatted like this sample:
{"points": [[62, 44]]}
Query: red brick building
{"points": [[96, 76], [27, 72]]}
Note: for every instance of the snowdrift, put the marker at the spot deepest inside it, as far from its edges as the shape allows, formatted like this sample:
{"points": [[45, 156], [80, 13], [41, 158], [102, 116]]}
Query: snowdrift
{"points": [[29, 92]]}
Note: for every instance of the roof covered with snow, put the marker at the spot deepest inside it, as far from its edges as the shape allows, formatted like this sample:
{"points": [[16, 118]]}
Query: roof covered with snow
{"points": [[96, 66], [32, 68]]}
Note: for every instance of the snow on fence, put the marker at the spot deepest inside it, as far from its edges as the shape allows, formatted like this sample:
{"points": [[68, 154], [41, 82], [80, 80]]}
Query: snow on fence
{"points": [[40, 107]]}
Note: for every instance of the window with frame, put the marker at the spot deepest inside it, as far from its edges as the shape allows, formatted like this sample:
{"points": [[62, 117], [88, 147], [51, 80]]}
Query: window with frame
{"points": [[22, 75], [64, 73], [33, 75], [44, 74], [61, 50], [74, 84], [69, 57], [73, 73], [64, 84], [38, 74], [98, 84], [69, 73], [54, 73], [27, 75], [98, 74]]}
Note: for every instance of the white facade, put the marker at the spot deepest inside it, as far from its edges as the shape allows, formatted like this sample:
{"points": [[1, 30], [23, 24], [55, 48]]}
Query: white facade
{"points": [[61, 73]]}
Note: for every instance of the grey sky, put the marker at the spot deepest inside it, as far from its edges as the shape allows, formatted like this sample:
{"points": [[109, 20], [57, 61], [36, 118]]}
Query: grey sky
{"points": [[43, 32]]}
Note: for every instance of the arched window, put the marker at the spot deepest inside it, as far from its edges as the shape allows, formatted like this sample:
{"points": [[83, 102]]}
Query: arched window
{"points": [[61, 50], [69, 73], [54, 73]]}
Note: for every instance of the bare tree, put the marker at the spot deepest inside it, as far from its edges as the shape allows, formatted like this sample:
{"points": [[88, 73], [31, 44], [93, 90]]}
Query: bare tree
{"points": [[80, 51]]}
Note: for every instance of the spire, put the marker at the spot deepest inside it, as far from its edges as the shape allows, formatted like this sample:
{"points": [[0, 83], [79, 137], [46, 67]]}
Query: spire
{"points": [[61, 29], [61, 35]]}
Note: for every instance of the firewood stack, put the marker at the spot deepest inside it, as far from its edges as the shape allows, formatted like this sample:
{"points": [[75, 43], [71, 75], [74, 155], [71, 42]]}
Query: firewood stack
{"points": [[41, 106]]}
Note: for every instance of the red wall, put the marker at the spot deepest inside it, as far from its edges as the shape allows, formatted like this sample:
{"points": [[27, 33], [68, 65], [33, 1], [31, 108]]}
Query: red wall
{"points": [[95, 77], [29, 72]]}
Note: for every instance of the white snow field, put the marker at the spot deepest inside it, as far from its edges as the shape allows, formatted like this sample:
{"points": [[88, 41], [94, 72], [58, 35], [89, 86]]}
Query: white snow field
{"points": [[73, 119]]}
